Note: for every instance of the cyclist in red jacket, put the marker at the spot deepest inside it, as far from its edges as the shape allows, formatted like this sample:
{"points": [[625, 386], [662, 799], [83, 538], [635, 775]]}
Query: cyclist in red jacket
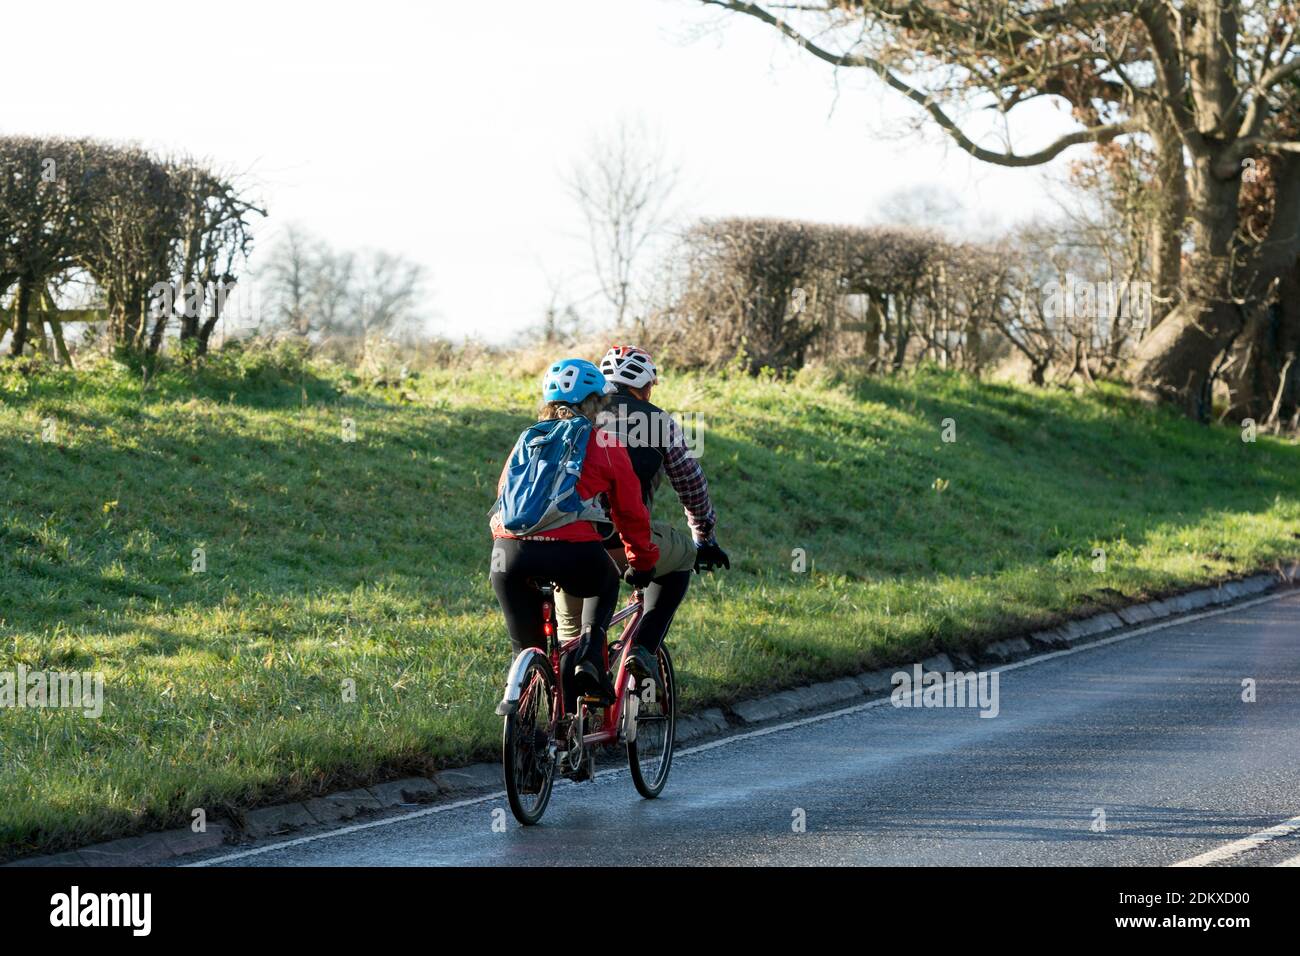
{"points": [[657, 449], [573, 555]]}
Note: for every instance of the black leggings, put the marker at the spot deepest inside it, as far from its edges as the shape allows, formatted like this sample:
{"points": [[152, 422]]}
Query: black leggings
{"points": [[581, 568], [662, 597]]}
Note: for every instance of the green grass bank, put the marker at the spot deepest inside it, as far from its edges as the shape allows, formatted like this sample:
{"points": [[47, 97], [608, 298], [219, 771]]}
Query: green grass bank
{"points": [[330, 561]]}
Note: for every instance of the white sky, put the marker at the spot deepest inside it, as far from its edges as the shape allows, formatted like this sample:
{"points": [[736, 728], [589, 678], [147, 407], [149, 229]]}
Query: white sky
{"points": [[440, 130]]}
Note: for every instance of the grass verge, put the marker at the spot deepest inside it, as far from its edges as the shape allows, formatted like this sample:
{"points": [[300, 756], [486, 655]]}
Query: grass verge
{"points": [[331, 564]]}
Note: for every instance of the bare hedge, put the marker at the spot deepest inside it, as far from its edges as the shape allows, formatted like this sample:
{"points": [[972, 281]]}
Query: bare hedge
{"points": [[774, 293], [157, 239]]}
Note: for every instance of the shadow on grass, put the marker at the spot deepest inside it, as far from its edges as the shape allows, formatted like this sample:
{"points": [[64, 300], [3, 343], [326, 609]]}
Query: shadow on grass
{"points": [[285, 519], [1025, 482], [256, 381], [102, 529]]}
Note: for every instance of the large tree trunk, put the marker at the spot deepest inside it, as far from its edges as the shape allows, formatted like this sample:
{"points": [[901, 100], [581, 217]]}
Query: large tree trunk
{"points": [[159, 330], [21, 313], [1170, 197], [1271, 337], [1263, 370], [56, 330], [1175, 361], [1287, 389], [902, 329], [130, 322], [873, 325], [204, 333]]}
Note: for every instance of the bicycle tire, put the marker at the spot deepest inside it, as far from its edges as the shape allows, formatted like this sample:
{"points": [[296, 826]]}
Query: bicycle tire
{"points": [[527, 807], [652, 784]]}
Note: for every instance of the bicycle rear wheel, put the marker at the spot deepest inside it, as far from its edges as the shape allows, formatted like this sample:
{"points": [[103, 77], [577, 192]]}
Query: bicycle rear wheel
{"points": [[525, 744], [650, 756]]}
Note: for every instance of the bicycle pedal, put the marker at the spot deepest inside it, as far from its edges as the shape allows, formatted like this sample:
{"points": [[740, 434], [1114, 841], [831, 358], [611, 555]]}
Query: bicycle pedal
{"points": [[583, 772]]}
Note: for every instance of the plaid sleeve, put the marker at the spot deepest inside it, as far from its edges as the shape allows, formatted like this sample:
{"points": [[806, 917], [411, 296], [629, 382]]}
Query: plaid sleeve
{"points": [[687, 478]]}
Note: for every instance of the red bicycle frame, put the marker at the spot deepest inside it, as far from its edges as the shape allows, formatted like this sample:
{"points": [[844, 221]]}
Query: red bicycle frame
{"points": [[631, 614]]}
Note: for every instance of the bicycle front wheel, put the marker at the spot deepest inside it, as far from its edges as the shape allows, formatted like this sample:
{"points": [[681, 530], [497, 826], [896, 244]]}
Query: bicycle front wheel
{"points": [[650, 756], [526, 744]]}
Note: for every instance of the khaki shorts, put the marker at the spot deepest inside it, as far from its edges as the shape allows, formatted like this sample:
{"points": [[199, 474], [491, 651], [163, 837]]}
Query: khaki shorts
{"points": [[676, 553]]}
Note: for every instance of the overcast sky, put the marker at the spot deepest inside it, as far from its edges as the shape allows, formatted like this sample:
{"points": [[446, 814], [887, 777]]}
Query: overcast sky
{"points": [[440, 130]]}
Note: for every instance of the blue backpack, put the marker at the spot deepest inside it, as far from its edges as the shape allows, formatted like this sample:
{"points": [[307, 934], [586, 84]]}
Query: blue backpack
{"points": [[541, 487]]}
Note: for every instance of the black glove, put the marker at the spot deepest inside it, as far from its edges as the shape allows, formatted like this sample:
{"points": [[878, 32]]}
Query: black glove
{"points": [[710, 556], [638, 579]]}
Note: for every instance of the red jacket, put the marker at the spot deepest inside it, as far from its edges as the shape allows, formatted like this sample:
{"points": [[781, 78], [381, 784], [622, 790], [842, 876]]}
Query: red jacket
{"points": [[606, 470]]}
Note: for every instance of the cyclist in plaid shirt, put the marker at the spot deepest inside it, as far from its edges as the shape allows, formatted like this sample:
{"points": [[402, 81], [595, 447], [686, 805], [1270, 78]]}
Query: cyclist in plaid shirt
{"points": [[687, 478], [657, 448]]}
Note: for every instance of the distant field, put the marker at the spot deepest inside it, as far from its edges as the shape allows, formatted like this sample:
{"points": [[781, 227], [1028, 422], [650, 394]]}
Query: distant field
{"points": [[329, 560]]}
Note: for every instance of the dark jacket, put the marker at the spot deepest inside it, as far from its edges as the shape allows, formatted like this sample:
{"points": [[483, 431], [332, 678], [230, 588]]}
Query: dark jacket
{"points": [[657, 448]]}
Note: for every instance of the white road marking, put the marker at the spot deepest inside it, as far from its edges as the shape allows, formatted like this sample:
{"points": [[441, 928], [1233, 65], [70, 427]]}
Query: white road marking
{"points": [[761, 732], [1237, 847]]}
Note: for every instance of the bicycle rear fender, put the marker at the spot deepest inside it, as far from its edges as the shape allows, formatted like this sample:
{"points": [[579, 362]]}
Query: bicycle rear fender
{"points": [[515, 680]]}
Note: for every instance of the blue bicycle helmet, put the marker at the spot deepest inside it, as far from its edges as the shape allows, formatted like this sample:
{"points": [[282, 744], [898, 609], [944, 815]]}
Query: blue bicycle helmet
{"points": [[572, 380]]}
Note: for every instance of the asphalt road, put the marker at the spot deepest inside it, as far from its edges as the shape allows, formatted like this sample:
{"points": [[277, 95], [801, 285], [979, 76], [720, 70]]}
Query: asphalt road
{"points": [[1151, 730]]}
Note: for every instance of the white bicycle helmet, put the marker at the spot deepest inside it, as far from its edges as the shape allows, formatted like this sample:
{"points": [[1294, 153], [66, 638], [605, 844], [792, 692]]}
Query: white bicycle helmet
{"points": [[629, 365]]}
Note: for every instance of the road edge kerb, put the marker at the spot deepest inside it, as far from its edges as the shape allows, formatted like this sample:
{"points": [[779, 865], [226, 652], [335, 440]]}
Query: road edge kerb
{"points": [[456, 782]]}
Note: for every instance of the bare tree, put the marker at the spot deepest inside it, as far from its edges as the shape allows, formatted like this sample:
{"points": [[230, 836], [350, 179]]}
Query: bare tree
{"points": [[924, 207], [776, 292], [331, 289], [388, 294], [340, 296], [1211, 88], [42, 205], [132, 223], [560, 319], [623, 185], [157, 239], [213, 236], [288, 280], [162, 240], [1051, 313]]}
